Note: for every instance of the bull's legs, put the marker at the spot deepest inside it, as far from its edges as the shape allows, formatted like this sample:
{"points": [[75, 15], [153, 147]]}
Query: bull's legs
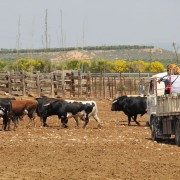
{"points": [[129, 120], [30, 120], [41, 120], [97, 120], [135, 117], [85, 124], [44, 121], [86, 121], [76, 119], [7, 122], [77, 122], [32, 117], [35, 125], [9, 127], [64, 120], [15, 121]]}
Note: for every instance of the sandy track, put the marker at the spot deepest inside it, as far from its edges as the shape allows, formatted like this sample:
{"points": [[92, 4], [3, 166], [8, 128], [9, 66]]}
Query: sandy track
{"points": [[116, 151]]}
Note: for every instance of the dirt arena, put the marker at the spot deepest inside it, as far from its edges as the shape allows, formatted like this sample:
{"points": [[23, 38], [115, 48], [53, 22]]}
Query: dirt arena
{"points": [[116, 151]]}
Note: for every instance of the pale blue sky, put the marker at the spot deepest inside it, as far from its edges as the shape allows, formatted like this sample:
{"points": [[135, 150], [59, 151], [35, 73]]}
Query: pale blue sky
{"points": [[89, 22]]}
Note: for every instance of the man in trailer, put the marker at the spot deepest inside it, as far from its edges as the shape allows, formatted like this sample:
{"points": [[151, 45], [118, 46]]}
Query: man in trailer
{"points": [[167, 83]]}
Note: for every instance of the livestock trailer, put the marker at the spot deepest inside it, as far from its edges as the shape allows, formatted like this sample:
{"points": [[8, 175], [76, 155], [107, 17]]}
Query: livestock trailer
{"points": [[164, 110]]}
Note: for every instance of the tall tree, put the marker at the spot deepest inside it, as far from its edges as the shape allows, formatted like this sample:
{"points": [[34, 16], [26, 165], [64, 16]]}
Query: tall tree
{"points": [[46, 29]]}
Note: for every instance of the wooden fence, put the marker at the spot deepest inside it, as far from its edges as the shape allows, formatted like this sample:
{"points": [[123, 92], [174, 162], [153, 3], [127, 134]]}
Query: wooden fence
{"points": [[71, 84]]}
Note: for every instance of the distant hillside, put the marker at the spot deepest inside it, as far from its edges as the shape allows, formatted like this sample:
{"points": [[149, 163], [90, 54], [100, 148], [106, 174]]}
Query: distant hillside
{"points": [[128, 53], [168, 46]]}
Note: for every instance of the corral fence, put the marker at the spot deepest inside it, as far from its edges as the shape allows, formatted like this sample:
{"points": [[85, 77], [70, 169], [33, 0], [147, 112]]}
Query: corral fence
{"points": [[74, 84]]}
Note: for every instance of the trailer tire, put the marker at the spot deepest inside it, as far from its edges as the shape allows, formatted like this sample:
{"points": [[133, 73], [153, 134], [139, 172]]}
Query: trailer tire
{"points": [[177, 133], [153, 132]]}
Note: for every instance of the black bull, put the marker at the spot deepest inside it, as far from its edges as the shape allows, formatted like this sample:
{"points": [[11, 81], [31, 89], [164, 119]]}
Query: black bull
{"points": [[49, 106], [131, 106], [5, 107]]}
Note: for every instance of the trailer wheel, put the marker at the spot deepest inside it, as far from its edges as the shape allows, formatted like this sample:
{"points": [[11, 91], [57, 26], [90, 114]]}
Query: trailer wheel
{"points": [[177, 133], [153, 132]]}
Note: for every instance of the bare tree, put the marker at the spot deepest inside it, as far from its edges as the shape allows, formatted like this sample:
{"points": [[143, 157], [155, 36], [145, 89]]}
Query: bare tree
{"points": [[174, 45], [18, 34], [46, 29], [61, 27]]}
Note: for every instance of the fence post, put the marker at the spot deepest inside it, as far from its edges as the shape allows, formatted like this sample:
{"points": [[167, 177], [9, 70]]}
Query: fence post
{"points": [[23, 83], [9, 82], [120, 84], [90, 84], [109, 87], [115, 88], [95, 88], [72, 85], [100, 86], [130, 86], [104, 87], [63, 83], [38, 83], [52, 84], [124, 85], [135, 86], [79, 83]]}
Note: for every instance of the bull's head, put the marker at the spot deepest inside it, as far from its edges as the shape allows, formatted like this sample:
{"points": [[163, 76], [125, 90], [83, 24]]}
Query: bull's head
{"points": [[114, 105], [117, 104]]}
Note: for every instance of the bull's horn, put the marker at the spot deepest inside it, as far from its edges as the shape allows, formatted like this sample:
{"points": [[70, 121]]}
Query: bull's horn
{"points": [[47, 104], [114, 101]]}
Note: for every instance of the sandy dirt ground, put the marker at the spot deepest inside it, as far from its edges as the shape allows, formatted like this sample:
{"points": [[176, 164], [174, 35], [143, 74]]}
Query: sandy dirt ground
{"points": [[116, 151]]}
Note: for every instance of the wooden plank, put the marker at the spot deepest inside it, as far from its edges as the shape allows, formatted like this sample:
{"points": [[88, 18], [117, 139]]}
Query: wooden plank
{"points": [[4, 82], [29, 81], [4, 89]]}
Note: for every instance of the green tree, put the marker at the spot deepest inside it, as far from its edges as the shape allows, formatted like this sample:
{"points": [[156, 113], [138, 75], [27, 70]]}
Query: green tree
{"points": [[85, 65], [120, 66], [101, 65], [3, 65], [137, 66], [20, 65], [31, 65], [42, 65], [72, 64], [156, 66]]}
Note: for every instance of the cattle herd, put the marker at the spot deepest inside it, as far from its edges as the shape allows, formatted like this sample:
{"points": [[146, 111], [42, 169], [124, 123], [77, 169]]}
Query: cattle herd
{"points": [[43, 107]]}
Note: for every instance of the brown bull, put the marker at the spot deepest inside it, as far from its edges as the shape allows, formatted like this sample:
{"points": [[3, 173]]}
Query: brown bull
{"points": [[21, 108], [173, 69]]}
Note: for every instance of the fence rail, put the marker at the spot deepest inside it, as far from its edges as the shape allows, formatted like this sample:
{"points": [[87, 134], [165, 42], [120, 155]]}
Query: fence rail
{"points": [[73, 84]]}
